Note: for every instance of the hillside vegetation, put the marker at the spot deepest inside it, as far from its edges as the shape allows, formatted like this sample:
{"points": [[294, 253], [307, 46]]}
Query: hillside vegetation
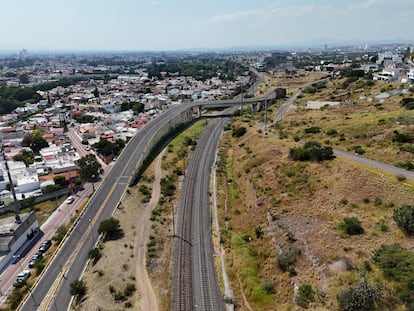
{"points": [[319, 234]]}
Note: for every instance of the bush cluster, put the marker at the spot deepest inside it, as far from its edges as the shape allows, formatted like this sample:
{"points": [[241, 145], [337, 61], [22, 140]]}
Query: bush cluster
{"points": [[404, 217], [407, 103], [311, 151], [351, 226], [239, 132], [359, 298]]}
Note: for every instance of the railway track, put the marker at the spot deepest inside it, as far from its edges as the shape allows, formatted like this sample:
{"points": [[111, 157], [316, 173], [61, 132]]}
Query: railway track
{"points": [[195, 285]]}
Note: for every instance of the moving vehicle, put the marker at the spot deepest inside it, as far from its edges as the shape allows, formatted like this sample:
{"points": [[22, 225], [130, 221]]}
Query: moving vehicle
{"points": [[70, 199]]}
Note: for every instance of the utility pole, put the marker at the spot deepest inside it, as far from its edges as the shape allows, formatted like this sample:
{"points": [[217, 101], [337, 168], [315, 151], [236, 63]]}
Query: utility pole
{"points": [[241, 107], [265, 118]]}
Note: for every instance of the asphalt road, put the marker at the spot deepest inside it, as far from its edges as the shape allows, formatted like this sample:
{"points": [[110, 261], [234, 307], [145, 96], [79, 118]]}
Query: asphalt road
{"points": [[69, 263], [52, 292], [373, 163]]}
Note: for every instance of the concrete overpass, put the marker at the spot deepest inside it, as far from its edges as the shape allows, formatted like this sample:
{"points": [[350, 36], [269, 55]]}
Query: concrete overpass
{"points": [[257, 103]]}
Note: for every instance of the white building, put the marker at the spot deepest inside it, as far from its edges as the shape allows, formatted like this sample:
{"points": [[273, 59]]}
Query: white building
{"points": [[388, 74], [387, 58], [410, 76], [14, 234]]}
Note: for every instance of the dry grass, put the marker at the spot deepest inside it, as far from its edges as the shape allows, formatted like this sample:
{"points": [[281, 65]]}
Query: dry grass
{"points": [[300, 204], [117, 266], [291, 83]]}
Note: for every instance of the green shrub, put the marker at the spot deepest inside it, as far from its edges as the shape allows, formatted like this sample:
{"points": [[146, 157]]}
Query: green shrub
{"points": [[269, 288], [358, 149], [407, 165], [401, 137], [311, 151], [312, 130], [239, 132], [397, 263], [351, 226], [377, 201], [287, 259], [129, 289], [306, 295], [407, 103], [404, 217], [383, 225], [360, 298], [78, 289], [332, 132], [95, 254], [60, 233]]}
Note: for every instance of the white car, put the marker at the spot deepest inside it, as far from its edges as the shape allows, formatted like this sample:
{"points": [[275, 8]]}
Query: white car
{"points": [[21, 278], [70, 199]]}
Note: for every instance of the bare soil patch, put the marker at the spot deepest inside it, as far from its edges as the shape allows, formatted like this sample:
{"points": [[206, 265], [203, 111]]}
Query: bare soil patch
{"points": [[123, 260]]}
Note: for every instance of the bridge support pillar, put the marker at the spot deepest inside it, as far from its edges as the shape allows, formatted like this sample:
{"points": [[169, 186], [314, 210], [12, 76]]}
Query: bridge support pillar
{"points": [[256, 107]]}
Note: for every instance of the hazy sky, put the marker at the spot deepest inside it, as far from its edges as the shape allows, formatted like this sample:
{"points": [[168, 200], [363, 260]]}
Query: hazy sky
{"points": [[184, 24]]}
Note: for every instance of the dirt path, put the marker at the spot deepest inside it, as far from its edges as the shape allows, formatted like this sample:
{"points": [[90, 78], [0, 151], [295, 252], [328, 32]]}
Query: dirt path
{"points": [[147, 297]]}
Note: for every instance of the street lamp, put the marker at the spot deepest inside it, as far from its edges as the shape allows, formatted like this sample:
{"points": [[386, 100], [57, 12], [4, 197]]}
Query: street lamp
{"points": [[93, 184]]}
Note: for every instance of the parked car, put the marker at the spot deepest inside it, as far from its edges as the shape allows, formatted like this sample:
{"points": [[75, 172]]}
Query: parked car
{"points": [[70, 199], [36, 257], [21, 278], [45, 246]]}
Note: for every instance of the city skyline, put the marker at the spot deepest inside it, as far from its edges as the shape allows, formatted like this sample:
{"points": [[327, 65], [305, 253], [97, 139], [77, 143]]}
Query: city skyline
{"points": [[150, 25]]}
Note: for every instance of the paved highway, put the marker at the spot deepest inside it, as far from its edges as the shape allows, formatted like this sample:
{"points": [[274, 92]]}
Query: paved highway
{"points": [[53, 288], [69, 263]]}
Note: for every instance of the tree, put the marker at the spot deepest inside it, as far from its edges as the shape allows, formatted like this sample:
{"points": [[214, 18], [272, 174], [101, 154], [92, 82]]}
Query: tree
{"points": [[89, 168], [95, 254], [25, 156], [35, 141], [50, 189], [60, 181], [104, 147], [60, 234], [24, 78], [109, 226], [404, 217], [351, 226], [78, 289]]}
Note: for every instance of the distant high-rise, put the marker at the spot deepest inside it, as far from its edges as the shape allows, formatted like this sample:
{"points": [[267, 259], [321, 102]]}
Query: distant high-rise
{"points": [[23, 53]]}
